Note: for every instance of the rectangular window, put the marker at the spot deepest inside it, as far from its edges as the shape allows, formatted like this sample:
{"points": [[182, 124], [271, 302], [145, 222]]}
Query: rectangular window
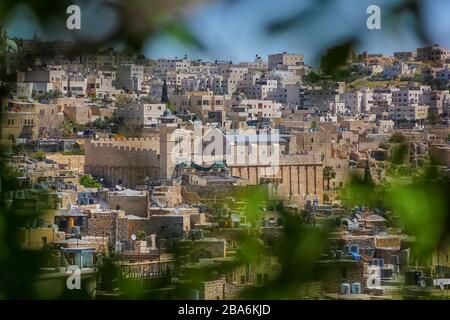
{"points": [[344, 273]]}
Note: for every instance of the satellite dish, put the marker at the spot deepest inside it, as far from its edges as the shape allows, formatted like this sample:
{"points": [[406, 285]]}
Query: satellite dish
{"points": [[159, 202], [235, 217], [133, 237], [422, 283]]}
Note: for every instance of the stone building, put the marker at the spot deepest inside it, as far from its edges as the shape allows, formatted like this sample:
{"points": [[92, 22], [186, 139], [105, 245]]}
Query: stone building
{"points": [[133, 202], [296, 177], [333, 273], [125, 162], [108, 223], [19, 121]]}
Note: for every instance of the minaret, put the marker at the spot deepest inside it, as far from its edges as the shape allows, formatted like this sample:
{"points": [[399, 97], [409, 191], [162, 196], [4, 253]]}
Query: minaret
{"points": [[69, 92], [167, 126], [164, 94]]}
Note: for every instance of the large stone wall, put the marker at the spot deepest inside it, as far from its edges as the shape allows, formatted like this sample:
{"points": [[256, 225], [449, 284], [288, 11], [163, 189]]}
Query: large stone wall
{"points": [[126, 161], [212, 290], [297, 176]]}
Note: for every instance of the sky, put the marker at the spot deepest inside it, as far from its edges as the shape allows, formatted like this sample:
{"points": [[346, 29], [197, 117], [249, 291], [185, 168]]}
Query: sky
{"points": [[237, 29]]}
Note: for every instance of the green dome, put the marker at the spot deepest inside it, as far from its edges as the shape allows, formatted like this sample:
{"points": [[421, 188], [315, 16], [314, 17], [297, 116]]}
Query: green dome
{"points": [[11, 46]]}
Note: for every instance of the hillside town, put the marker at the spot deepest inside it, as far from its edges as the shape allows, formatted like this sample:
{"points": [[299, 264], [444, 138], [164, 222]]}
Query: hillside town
{"points": [[161, 169]]}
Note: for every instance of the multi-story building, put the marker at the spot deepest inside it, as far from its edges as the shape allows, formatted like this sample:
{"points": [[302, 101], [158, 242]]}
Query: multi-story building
{"points": [[19, 122], [130, 77], [391, 71], [141, 114], [264, 88], [258, 108], [285, 59], [405, 96], [433, 53], [320, 96], [411, 112], [172, 65], [74, 84], [405, 55], [233, 75], [443, 74], [101, 84], [358, 101]]}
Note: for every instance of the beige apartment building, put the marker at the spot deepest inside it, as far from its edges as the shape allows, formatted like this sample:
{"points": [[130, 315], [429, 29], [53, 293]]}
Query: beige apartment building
{"points": [[19, 121], [285, 59], [433, 53]]}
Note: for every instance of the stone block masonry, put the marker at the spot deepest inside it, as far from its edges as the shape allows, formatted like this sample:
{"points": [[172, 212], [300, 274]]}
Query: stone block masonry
{"points": [[127, 162]]}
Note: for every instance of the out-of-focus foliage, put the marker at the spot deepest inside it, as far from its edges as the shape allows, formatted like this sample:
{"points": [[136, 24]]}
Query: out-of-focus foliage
{"points": [[134, 22], [18, 267], [337, 56], [422, 203], [88, 182], [297, 251]]}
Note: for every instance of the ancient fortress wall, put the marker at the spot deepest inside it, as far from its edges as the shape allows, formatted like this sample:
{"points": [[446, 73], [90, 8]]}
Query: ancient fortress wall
{"points": [[123, 161]]}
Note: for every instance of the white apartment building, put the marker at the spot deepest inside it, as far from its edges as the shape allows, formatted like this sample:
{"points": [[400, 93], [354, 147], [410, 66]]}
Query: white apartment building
{"points": [[405, 96], [75, 84], [358, 101], [375, 69], [264, 88], [435, 99], [383, 96], [51, 74], [385, 125], [213, 82], [174, 78], [30, 89], [257, 108], [412, 112], [141, 114], [391, 71], [100, 84], [338, 107], [290, 95], [172, 65]]}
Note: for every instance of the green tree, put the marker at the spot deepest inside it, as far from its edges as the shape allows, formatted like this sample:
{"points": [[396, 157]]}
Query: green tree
{"points": [[328, 175], [88, 182], [68, 128], [38, 155], [397, 137], [368, 180]]}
